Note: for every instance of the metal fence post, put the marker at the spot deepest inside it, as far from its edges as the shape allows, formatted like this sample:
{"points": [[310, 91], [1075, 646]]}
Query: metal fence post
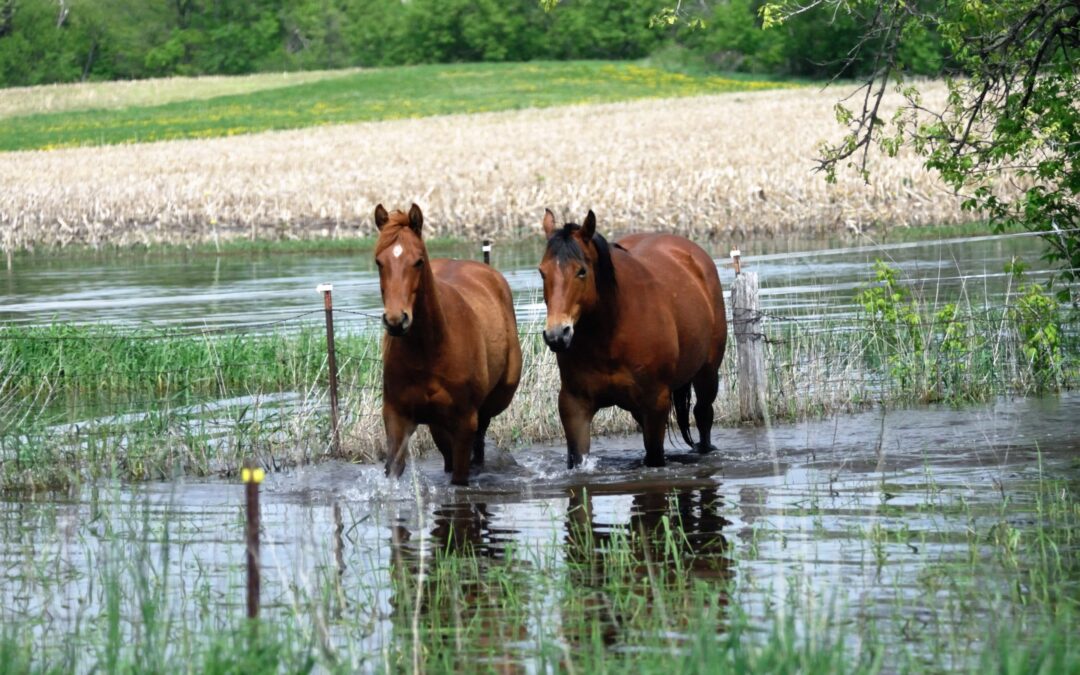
{"points": [[252, 475], [331, 364], [746, 317]]}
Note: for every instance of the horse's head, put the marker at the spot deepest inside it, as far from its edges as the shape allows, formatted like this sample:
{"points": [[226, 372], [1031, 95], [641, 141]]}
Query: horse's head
{"points": [[576, 269], [401, 257]]}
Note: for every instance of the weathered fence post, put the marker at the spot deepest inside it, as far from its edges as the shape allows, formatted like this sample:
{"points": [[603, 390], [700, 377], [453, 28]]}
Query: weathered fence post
{"points": [[331, 364], [487, 251], [252, 475], [746, 317]]}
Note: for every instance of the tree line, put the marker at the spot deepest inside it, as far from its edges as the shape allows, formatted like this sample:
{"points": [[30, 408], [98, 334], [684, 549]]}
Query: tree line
{"points": [[45, 41]]}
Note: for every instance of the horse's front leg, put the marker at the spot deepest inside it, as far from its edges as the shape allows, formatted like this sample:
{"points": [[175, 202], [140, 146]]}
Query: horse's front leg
{"points": [[464, 439], [654, 426], [444, 441], [576, 414], [399, 429]]}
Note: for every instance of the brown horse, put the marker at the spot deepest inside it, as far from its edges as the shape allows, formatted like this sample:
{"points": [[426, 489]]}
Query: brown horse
{"points": [[635, 325], [451, 357]]}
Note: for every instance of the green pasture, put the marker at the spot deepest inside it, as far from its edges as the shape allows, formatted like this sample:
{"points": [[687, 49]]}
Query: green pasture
{"points": [[377, 94]]}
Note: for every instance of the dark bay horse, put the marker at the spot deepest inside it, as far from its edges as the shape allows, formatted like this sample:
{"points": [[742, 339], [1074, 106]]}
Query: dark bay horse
{"points": [[635, 325], [451, 356]]}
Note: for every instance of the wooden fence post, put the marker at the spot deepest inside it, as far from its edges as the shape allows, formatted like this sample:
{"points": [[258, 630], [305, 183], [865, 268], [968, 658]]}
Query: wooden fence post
{"points": [[486, 250], [746, 318], [251, 475], [331, 365]]}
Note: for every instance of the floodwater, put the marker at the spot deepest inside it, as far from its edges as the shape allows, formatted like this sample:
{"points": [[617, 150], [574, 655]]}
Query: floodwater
{"points": [[779, 512], [804, 277], [789, 511]]}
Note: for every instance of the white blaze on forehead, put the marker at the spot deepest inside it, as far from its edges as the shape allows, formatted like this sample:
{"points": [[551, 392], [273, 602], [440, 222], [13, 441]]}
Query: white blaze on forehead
{"points": [[397, 250]]}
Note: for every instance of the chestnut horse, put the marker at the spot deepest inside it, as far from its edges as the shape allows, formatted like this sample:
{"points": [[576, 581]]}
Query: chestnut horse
{"points": [[451, 356], [635, 325]]}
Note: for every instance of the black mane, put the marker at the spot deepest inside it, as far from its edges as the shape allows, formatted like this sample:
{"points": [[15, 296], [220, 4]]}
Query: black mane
{"points": [[564, 247]]}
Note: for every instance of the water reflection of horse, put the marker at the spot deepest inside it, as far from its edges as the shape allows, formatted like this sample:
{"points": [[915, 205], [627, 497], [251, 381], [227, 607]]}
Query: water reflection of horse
{"points": [[460, 611], [451, 358], [635, 324], [673, 537]]}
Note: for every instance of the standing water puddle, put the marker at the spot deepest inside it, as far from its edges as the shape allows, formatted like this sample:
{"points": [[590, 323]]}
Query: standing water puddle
{"points": [[856, 516]]}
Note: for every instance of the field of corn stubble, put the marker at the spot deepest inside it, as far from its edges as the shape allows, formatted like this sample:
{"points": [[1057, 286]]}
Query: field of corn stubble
{"points": [[738, 164]]}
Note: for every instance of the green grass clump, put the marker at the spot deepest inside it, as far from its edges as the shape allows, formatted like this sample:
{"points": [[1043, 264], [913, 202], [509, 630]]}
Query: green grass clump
{"points": [[391, 93], [93, 360]]}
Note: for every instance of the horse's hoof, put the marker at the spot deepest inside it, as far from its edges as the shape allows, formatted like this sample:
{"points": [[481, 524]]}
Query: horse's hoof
{"points": [[704, 448], [654, 462]]}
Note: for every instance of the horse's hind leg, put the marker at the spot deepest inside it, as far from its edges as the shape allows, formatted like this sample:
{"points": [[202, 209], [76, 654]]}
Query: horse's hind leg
{"points": [[681, 400], [706, 384], [478, 442], [444, 441]]}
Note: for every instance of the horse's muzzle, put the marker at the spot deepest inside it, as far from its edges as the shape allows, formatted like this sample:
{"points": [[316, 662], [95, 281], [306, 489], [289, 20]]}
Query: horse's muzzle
{"points": [[399, 325], [558, 338]]}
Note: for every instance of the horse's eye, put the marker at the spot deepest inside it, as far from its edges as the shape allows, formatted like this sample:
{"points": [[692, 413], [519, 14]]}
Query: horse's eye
{"points": [[581, 273], [419, 263]]}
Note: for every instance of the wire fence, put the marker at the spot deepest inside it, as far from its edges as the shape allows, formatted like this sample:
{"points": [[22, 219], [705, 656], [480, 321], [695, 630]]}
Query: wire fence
{"points": [[813, 362]]}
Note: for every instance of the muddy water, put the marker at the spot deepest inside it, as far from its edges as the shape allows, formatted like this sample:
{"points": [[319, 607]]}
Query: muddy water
{"points": [[778, 512], [806, 277]]}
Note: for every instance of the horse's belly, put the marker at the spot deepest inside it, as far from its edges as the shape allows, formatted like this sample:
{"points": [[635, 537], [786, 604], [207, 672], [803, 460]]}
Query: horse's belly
{"points": [[428, 403], [619, 388]]}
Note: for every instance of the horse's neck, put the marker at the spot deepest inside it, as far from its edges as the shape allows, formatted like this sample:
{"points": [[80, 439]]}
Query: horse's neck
{"points": [[429, 319], [602, 321]]}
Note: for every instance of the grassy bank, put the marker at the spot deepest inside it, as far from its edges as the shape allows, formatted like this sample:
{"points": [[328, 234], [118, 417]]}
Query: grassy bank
{"points": [[360, 96]]}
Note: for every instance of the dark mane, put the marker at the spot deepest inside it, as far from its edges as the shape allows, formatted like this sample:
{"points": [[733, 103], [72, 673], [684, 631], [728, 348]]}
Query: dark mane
{"points": [[564, 247]]}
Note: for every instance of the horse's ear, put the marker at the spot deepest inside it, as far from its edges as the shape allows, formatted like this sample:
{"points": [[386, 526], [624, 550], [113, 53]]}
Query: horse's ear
{"points": [[588, 228], [549, 223], [381, 216], [416, 218]]}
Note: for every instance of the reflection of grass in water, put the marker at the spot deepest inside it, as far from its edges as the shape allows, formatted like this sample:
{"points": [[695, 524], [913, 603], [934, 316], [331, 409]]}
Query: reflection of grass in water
{"points": [[610, 598]]}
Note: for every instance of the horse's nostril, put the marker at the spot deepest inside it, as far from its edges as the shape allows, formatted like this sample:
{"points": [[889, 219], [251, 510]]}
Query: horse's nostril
{"points": [[566, 331]]}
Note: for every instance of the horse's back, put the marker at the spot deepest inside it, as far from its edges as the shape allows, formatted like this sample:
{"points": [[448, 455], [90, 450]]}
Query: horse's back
{"points": [[487, 295], [479, 284], [691, 281], [672, 258]]}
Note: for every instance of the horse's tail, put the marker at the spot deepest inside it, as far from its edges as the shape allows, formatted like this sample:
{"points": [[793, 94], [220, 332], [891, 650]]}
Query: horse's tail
{"points": [[681, 400]]}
